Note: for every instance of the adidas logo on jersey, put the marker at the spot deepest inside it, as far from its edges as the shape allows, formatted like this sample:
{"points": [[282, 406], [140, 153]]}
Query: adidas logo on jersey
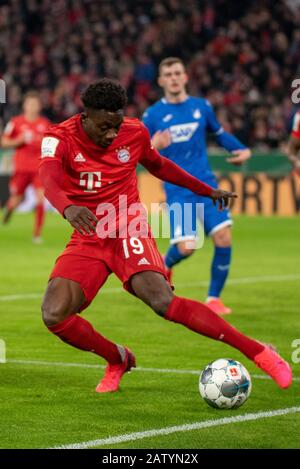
{"points": [[143, 261], [79, 158]]}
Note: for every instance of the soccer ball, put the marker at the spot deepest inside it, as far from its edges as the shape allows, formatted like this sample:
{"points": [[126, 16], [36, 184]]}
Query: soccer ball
{"points": [[225, 384]]}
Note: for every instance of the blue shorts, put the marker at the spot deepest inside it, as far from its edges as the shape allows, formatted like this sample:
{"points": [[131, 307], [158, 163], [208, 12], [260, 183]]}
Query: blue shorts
{"points": [[188, 209]]}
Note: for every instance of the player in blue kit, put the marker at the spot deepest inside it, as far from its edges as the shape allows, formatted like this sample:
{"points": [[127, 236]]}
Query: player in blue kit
{"points": [[178, 125]]}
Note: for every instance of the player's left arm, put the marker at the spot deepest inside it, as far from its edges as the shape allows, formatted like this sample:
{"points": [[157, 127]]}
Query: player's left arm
{"points": [[168, 171], [226, 140]]}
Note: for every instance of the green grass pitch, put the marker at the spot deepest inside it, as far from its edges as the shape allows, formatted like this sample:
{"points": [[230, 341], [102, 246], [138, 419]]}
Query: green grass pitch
{"points": [[44, 405]]}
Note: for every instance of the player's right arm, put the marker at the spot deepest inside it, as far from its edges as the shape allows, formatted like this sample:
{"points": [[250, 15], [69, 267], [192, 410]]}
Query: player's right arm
{"points": [[160, 138], [52, 175], [294, 144], [11, 137], [168, 171]]}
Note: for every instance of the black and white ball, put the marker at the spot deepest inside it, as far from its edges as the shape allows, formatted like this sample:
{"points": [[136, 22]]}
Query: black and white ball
{"points": [[225, 384]]}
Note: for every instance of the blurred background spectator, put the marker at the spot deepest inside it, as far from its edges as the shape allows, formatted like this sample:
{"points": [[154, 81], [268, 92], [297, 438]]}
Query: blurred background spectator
{"points": [[242, 56]]}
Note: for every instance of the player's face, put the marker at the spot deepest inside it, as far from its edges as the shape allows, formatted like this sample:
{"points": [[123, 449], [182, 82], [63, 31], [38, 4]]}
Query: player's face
{"points": [[32, 106], [173, 79], [102, 126]]}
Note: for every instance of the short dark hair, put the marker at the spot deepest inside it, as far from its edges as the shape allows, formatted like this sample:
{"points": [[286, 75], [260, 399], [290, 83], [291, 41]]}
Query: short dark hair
{"points": [[105, 94], [32, 94], [168, 61]]}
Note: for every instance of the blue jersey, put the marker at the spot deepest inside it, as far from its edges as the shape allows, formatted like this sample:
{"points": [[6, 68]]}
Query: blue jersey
{"points": [[188, 123]]}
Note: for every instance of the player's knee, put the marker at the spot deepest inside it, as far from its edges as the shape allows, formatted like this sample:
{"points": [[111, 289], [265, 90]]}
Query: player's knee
{"points": [[187, 248], [55, 306], [63, 298], [160, 301], [222, 238], [53, 312]]}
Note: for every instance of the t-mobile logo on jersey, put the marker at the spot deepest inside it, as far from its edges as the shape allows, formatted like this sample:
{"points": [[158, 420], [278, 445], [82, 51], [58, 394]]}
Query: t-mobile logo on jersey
{"points": [[91, 181]]}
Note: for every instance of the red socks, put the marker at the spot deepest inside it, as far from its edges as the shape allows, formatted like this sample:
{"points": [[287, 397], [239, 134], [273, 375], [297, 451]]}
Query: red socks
{"points": [[39, 219], [196, 316], [199, 318], [80, 333]]}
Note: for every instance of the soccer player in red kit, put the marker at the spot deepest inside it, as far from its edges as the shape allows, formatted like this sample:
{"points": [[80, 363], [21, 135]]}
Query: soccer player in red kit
{"points": [[25, 133], [87, 163]]}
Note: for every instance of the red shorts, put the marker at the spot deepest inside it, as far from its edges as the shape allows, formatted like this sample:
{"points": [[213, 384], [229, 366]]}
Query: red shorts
{"points": [[90, 260], [20, 181]]}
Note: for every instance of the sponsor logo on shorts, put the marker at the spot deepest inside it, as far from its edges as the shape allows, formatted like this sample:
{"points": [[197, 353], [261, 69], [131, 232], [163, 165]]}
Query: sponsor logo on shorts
{"points": [[143, 261]]}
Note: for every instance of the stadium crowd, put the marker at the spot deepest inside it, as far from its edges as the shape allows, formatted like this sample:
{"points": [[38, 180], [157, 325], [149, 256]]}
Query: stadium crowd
{"points": [[243, 56]]}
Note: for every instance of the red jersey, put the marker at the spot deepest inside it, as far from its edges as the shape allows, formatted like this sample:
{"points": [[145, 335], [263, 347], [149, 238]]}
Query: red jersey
{"points": [[26, 156], [76, 171], [92, 174], [296, 125]]}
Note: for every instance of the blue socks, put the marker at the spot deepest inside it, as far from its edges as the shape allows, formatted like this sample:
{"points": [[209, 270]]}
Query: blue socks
{"points": [[219, 267], [219, 270], [173, 256]]}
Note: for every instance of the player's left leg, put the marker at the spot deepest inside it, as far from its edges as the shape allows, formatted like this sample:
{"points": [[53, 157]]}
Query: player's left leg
{"points": [[77, 276], [152, 288], [217, 225], [219, 268], [39, 210]]}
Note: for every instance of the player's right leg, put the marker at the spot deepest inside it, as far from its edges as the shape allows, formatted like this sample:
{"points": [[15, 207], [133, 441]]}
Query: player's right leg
{"points": [[39, 212], [12, 203], [17, 187], [139, 265], [152, 288], [176, 253], [74, 282]]}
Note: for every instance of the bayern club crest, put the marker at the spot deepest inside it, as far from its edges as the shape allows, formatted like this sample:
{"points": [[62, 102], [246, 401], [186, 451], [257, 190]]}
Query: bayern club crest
{"points": [[123, 154]]}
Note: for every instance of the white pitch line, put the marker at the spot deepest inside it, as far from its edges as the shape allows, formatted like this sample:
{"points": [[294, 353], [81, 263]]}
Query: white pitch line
{"points": [[202, 283], [146, 370], [179, 428], [24, 296]]}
